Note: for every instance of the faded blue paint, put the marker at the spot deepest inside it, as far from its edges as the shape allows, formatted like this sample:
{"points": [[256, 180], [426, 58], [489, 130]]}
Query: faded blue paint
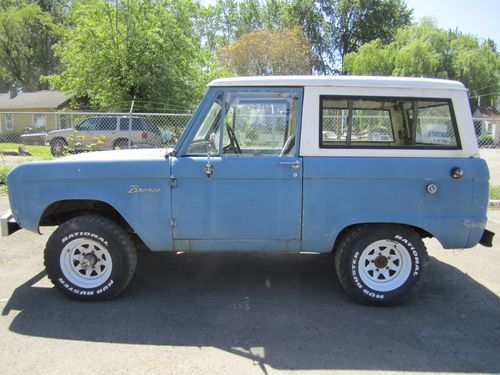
{"points": [[35, 186], [247, 198], [256, 203], [339, 192]]}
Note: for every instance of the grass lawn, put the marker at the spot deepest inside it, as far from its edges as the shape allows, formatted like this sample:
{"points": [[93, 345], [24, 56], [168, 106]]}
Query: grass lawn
{"points": [[494, 192], [39, 152]]}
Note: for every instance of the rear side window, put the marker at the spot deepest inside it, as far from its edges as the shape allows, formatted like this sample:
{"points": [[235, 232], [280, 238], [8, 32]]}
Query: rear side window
{"points": [[106, 124], [387, 122], [137, 124]]}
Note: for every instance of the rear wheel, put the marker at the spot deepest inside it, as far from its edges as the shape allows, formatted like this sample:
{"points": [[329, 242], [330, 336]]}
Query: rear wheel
{"points": [[90, 258], [120, 144], [381, 264], [58, 147]]}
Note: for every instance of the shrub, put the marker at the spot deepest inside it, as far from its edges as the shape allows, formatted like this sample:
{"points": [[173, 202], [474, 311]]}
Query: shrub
{"points": [[485, 140]]}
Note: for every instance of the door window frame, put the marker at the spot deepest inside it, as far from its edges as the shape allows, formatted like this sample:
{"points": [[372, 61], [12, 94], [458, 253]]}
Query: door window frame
{"points": [[212, 94]]}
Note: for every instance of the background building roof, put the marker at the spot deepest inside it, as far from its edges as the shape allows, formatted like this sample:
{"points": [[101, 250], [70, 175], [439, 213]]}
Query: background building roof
{"points": [[44, 99], [487, 112]]}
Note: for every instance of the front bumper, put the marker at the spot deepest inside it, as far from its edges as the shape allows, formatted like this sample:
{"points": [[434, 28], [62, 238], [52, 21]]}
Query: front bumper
{"points": [[8, 223]]}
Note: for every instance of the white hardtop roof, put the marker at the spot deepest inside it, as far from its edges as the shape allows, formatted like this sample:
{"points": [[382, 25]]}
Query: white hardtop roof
{"points": [[325, 81]]}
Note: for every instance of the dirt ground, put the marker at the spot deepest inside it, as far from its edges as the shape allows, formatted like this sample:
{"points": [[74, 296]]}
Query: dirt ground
{"points": [[232, 313]]}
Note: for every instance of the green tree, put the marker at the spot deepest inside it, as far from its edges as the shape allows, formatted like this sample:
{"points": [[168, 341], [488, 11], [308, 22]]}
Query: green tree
{"points": [[477, 65], [424, 50], [26, 37], [219, 23], [266, 52], [332, 27], [372, 58], [353, 23], [250, 16], [309, 16], [112, 52]]}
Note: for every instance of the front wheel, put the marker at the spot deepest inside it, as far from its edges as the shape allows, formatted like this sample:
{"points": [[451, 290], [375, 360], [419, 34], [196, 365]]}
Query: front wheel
{"points": [[381, 264], [90, 258]]}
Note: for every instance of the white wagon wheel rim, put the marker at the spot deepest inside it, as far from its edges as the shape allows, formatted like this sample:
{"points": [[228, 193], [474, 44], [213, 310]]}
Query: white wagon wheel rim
{"points": [[86, 263], [384, 265]]}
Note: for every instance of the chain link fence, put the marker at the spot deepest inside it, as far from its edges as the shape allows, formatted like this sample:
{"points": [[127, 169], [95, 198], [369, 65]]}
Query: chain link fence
{"points": [[44, 135]]}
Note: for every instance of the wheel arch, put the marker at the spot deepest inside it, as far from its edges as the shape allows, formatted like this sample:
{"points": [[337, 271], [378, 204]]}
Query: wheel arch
{"points": [[422, 233], [60, 211]]}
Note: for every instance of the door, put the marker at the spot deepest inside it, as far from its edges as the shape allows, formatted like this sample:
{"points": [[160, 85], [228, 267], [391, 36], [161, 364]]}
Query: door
{"points": [[239, 180], [105, 133]]}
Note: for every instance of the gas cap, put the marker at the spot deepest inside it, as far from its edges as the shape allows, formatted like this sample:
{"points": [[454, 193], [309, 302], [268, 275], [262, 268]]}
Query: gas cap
{"points": [[432, 188]]}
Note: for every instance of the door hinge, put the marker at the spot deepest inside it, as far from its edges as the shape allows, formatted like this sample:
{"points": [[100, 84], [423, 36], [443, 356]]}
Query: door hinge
{"points": [[173, 182], [172, 223]]}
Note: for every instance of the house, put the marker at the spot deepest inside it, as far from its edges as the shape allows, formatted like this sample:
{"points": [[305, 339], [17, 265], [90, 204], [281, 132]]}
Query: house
{"points": [[35, 110], [487, 121]]}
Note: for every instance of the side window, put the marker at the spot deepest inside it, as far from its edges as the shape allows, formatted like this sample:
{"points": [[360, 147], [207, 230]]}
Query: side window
{"points": [[87, 124], [9, 121], [208, 134], [39, 121], [123, 124], [106, 124], [260, 123], [386, 122], [138, 124], [434, 124]]}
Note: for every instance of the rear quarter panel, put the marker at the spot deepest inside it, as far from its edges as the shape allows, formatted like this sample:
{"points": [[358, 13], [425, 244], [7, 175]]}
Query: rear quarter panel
{"points": [[342, 191]]}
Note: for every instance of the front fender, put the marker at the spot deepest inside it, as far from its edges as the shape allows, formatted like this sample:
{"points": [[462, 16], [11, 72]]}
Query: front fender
{"points": [[146, 208]]}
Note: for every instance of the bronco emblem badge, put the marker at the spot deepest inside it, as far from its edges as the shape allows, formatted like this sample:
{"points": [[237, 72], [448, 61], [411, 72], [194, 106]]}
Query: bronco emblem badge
{"points": [[137, 189]]}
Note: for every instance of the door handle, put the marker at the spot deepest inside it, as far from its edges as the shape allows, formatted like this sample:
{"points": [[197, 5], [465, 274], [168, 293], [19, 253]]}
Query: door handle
{"points": [[294, 164]]}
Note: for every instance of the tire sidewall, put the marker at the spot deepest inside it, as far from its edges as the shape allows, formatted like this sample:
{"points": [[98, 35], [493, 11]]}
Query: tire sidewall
{"points": [[101, 235], [409, 241]]}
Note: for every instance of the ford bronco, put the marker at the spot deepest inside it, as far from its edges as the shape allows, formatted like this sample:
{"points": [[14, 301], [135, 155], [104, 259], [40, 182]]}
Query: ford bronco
{"points": [[341, 165]]}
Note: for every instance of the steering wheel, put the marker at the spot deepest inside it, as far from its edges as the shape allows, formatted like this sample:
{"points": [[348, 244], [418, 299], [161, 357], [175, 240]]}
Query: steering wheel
{"points": [[234, 145]]}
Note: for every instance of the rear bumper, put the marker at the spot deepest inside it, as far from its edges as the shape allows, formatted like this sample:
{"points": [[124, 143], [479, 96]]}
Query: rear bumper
{"points": [[8, 223], [487, 238]]}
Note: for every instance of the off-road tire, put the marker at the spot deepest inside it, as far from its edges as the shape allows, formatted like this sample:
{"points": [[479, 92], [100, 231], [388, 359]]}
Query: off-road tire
{"points": [[95, 236], [352, 263]]}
